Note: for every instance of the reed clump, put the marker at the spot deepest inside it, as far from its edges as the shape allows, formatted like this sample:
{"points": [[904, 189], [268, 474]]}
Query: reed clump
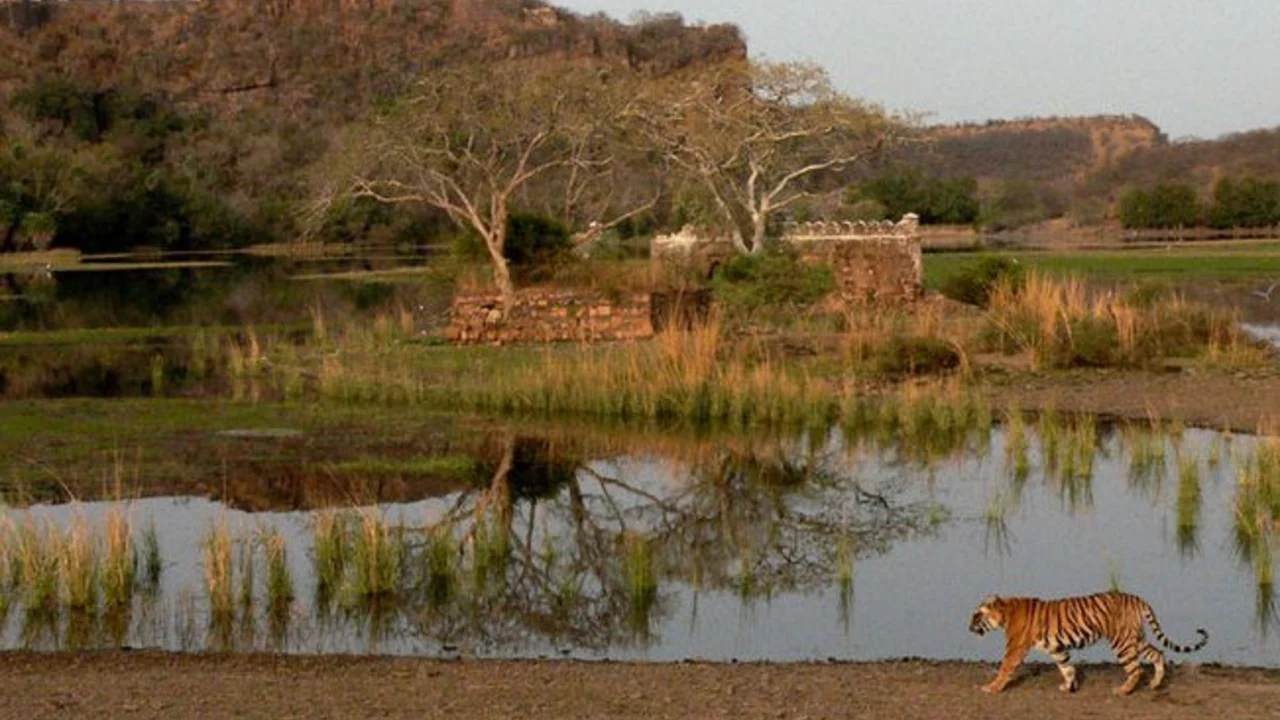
{"points": [[8, 568], [280, 590], [1147, 450], [1017, 447], [38, 551], [121, 562], [331, 537], [1060, 325], [440, 571], [217, 551], [1257, 501], [49, 567], [153, 561], [1188, 502], [245, 563], [924, 422], [78, 565], [377, 554]]}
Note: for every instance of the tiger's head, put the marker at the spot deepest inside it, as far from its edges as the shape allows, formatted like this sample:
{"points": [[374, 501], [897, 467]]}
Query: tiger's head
{"points": [[989, 616]]}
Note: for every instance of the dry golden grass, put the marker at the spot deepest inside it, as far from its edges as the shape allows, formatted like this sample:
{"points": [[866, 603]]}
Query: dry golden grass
{"points": [[218, 569], [78, 554], [121, 562], [1058, 325]]}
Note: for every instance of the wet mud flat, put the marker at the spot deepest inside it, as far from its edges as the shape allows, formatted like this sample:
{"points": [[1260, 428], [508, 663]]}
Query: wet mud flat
{"points": [[155, 685]]}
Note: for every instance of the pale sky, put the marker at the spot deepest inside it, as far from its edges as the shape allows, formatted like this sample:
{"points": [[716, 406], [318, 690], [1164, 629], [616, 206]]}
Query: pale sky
{"points": [[1193, 67]]}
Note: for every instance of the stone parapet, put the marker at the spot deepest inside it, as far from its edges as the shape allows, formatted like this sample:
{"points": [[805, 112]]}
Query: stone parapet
{"points": [[542, 316]]}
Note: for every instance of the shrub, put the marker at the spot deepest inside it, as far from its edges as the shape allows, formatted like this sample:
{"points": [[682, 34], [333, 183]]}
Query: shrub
{"points": [[532, 242], [974, 283], [770, 279], [1061, 327], [915, 355], [1149, 293], [37, 229]]}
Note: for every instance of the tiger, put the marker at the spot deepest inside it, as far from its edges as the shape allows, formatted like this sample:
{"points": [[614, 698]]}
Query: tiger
{"points": [[1057, 626]]}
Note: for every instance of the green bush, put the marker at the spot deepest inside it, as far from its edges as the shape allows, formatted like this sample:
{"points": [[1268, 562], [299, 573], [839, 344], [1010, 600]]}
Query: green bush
{"points": [[1149, 293], [912, 355], [1093, 342], [974, 283], [534, 240], [531, 242], [775, 278]]}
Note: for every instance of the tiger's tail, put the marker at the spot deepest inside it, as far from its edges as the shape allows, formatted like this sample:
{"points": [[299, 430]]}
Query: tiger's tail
{"points": [[1150, 616]]}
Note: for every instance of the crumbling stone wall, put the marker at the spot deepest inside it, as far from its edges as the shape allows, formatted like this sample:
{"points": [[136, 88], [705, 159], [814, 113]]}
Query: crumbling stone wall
{"points": [[874, 263], [881, 271], [541, 316]]}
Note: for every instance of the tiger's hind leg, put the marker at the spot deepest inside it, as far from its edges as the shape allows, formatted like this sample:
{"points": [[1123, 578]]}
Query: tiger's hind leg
{"points": [[1062, 659], [1127, 648], [1156, 658]]}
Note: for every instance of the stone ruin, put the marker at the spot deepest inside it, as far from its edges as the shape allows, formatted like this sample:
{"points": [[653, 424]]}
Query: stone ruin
{"points": [[541, 315], [544, 315], [874, 263]]}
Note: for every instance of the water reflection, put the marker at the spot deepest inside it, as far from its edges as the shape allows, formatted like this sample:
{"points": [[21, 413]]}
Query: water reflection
{"points": [[212, 289], [835, 543]]}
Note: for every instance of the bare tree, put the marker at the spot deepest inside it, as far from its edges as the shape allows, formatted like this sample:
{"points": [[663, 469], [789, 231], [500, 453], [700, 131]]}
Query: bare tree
{"points": [[468, 139], [752, 135]]}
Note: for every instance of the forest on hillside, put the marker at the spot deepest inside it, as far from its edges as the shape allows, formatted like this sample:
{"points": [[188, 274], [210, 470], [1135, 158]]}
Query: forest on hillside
{"points": [[185, 125]]}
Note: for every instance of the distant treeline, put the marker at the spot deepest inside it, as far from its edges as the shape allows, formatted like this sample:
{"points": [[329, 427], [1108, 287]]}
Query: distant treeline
{"points": [[1236, 203]]}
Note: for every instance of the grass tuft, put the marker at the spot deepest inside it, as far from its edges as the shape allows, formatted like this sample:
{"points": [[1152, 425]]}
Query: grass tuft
{"points": [[280, 592], [218, 570]]}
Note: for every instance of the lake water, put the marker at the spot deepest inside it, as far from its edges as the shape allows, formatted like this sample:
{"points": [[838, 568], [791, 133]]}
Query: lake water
{"points": [[1270, 333], [789, 549], [215, 289], [641, 546]]}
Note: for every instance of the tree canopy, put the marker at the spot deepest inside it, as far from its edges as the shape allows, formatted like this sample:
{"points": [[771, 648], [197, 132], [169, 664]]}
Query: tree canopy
{"points": [[755, 135]]}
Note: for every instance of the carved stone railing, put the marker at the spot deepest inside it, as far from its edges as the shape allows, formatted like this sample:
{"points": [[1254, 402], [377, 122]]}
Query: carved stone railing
{"points": [[907, 227]]}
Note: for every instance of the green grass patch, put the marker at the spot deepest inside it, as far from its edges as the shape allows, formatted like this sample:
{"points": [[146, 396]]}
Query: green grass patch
{"points": [[461, 467], [1190, 263]]}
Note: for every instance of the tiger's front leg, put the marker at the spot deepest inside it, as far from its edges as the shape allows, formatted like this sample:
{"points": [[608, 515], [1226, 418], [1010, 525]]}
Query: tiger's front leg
{"points": [[1013, 657]]}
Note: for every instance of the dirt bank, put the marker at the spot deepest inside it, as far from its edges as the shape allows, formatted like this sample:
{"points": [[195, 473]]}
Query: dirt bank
{"points": [[155, 685], [1241, 402]]}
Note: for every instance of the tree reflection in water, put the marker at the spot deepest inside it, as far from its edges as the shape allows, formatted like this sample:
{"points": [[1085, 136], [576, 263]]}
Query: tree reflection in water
{"points": [[593, 555]]}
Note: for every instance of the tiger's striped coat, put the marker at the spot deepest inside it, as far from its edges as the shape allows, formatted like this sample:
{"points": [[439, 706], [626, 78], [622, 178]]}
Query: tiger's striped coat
{"points": [[1059, 626]]}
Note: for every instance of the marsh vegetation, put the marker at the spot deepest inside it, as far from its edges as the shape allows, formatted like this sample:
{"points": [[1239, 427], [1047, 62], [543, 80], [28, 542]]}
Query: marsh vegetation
{"points": [[594, 541]]}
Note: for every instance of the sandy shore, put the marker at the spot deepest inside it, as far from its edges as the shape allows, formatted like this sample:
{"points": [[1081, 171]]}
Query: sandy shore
{"points": [[158, 685]]}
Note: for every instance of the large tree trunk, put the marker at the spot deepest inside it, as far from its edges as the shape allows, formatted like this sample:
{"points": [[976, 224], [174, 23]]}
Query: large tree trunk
{"points": [[757, 234], [501, 273]]}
